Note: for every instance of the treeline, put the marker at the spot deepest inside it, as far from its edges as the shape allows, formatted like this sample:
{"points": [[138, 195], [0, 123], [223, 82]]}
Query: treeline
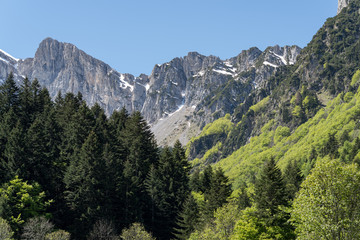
{"points": [[82, 171]]}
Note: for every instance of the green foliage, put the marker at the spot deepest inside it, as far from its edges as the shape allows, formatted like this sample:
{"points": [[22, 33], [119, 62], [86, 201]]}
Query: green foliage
{"points": [[248, 226], [260, 106], [222, 226], [355, 80], [5, 230], [213, 151], [218, 192], [136, 232], [218, 126], [211, 135], [270, 192], [281, 133], [292, 178], [167, 186], [327, 206], [188, 218], [21, 201], [311, 137], [58, 235]]}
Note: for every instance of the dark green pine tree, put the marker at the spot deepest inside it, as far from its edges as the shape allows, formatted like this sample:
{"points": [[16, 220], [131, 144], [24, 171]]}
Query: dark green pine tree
{"points": [[205, 179], [154, 187], [331, 147], [181, 169], [194, 182], [114, 157], [43, 153], [7, 123], [270, 190], [243, 200], [188, 219], [83, 179], [26, 104], [168, 187], [112, 185], [270, 194], [133, 195], [140, 153], [140, 144], [118, 121], [292, 177], [9, 96], [220, 190], [76, 122], [159, 186], [14, 159], [355, 150]]}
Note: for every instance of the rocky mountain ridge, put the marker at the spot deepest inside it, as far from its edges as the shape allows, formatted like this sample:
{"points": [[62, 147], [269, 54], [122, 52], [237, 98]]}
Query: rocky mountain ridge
{"points": [[186, 89], [342, 4]]}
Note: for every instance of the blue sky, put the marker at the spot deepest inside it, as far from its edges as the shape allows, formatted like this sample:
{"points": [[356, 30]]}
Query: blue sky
{"points": [[134, 35]]}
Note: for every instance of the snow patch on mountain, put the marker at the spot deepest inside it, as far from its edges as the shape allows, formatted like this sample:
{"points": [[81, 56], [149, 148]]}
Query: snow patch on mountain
{"points": [[8, 55]]}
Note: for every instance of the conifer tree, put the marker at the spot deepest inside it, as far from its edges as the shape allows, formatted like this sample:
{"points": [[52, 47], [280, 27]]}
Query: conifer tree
{"points": [[194, 182], [14, 159], [140, 153], [42, 145], [292, 177], [26, 103], [168, 187], [9, 95], [205, 179], [188, 219], [220, 190], [83, 180], [270, 195], [7, 123], [270, 191]]}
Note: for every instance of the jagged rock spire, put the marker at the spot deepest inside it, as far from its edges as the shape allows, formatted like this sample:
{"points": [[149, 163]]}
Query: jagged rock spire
{"points": [[342, 4]]}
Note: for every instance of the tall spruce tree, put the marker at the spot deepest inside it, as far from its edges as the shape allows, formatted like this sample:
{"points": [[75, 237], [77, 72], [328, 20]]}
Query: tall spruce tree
{"points": [[14, 158], [9, 95], [292, 177], [270, 195], [26, 103], [140, 153], [188, 219], [83, 180], [216, 196], [168, 187], [270, 190]]}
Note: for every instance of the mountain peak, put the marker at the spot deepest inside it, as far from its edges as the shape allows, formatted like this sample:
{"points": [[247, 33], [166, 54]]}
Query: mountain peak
{"points": [[342, 4]]}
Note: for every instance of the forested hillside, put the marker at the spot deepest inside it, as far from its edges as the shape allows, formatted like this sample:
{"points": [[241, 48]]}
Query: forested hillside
{"points": [[301, 128], [284, 165]]}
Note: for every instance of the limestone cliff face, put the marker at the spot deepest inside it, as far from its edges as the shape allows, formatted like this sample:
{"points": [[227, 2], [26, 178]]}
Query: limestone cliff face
{"points": [[63, 67], [342, 4], [187, 92]]}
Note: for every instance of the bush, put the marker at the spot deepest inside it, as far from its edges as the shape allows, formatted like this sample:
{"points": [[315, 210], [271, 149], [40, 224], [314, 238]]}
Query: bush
{"points": [[37, 228], [5, 230], [103, 230], [136, 232], [58, 235]]}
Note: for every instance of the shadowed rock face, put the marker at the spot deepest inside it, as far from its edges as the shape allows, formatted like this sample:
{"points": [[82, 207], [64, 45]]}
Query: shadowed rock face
{"points": [[342, 4], [196, 89]]}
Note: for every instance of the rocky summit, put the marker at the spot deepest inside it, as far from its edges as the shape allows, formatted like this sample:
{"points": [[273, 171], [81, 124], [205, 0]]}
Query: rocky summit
{"points": [[342, 4], [177, 99]]}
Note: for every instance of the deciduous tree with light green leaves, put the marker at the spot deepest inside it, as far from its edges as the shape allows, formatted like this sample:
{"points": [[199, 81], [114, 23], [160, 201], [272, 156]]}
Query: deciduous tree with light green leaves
{"points": [[328, 204], [20, 201]]}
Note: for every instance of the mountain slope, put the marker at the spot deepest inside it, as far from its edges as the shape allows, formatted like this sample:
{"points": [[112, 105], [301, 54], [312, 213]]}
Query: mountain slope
{"points": [[296, 114], [205, 86]]}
